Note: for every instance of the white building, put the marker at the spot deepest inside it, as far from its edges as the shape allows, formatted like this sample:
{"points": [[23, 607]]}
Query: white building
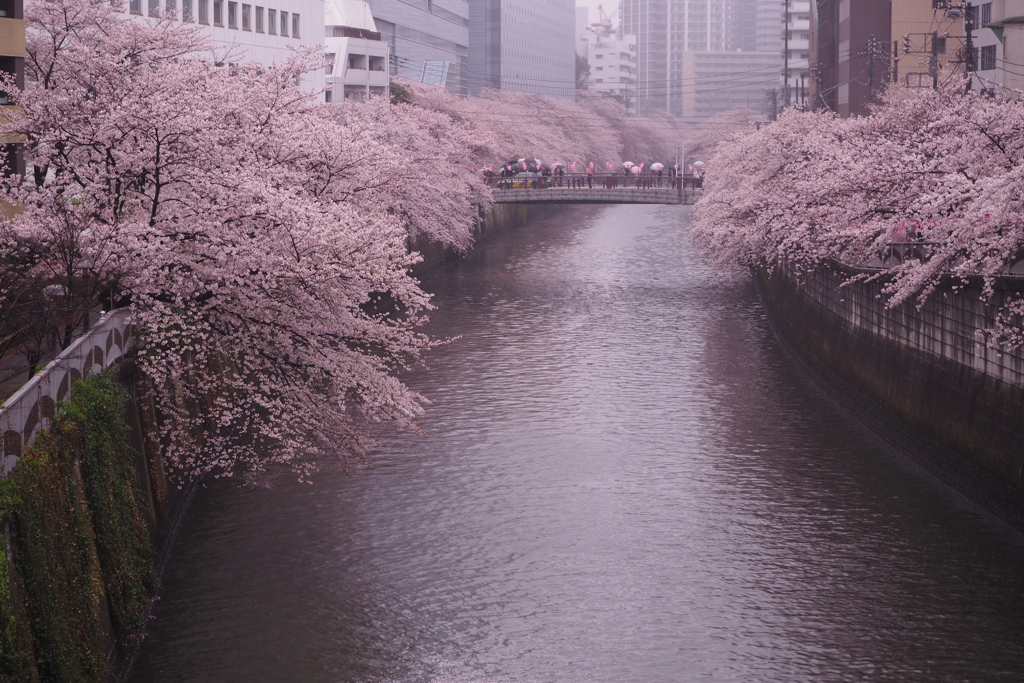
{"points": [[357, 58], [524, 45], [796, 51], [268, 33], [612, 59], [995, 42]]}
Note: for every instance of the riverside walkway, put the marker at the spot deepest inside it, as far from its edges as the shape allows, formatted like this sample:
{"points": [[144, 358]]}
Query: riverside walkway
{"points": [[602, 189]]}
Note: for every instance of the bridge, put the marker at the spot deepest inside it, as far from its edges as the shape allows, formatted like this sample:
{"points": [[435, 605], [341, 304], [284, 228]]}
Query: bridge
{"points": [[601, 189]]}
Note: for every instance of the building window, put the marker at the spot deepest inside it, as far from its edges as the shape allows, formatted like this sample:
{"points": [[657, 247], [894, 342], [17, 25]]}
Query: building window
{"points": [[232, 15], [203, 11], [986, 14], [295, 25], [272, 21], [154, 8], [186, 11], [988, 58], [171, 9], [218, 12], [284, 24], [246, 17], [135, 6], [259, 20], [330, 63]]}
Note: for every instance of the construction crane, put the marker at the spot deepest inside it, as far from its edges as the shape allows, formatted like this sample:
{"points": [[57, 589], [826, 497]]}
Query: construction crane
{"points": [[604, 22]]}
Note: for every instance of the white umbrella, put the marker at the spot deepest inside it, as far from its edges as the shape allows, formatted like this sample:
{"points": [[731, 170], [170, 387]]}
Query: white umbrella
{"points": [[656, 166], [635, 170], [628, 164]]}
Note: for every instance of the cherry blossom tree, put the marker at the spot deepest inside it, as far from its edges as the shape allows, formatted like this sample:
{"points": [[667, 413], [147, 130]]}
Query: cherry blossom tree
{"points": [[594, 128], [423, 174], [942, 167], [253, 229]]}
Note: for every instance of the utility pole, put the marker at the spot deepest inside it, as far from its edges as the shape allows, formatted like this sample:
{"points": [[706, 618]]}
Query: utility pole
{"points": [[969, 65], [933, 63], [874, 49], [785, 57], [895, 62]]}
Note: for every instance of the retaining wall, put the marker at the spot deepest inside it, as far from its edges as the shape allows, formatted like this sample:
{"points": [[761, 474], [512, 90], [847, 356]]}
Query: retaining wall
{"points": [[926, 366], [29, 410]]}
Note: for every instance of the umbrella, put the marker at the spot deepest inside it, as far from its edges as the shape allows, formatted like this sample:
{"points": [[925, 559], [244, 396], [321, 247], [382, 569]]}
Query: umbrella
{"points": [[657, 166], [635, 170], [628, 164]]}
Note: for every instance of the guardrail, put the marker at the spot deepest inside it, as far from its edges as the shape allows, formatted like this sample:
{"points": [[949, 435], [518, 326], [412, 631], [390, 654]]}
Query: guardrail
{"points": [[32, 406], [607, 188], [895, 253], [596, 181]]}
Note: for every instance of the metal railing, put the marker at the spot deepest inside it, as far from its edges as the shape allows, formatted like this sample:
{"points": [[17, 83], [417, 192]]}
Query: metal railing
{"points": [[595, 181], [32, 406], [895, 253]]}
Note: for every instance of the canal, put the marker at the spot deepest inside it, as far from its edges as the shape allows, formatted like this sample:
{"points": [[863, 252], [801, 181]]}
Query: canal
{"points": [[620, 478]]}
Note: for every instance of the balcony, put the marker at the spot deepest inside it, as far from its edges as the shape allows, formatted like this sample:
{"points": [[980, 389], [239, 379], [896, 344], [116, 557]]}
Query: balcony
{"points": [[376, 77]]}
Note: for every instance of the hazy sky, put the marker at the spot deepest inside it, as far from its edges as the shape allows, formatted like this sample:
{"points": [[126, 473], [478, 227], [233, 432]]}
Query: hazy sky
{"points": [[610, 6]]}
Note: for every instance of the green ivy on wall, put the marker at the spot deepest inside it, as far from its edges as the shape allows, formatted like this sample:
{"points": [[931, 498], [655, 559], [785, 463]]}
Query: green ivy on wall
{"points": [[82, 550]]}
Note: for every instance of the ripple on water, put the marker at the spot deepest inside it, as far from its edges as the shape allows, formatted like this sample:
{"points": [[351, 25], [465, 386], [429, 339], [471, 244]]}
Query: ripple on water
{"points": [[619, 479]]}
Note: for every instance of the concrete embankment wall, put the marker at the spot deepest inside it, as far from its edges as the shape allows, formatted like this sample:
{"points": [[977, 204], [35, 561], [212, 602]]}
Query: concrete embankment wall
{"points": [[498, 217], [960, 401]]}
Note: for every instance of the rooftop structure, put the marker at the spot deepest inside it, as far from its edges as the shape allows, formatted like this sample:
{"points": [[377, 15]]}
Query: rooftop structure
{"points": [[357, 58]]}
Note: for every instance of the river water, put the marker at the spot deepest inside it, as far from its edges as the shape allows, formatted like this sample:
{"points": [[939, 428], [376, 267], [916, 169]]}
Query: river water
{"points": [[620, 478]]}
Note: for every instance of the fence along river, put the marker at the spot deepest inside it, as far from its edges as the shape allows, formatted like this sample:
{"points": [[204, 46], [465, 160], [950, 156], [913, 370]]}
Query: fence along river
{"points": [[620, 478]]}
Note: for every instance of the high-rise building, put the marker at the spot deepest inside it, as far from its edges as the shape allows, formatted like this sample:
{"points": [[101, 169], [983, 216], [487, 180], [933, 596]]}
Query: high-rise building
{"points": [[716, 82], [741, 25], [665, 29], [611, 55], [526, 45], [428, 40]]}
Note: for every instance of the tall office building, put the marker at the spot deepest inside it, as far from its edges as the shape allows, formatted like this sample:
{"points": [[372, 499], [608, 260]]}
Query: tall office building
{"points": [[665, 29], [741, 25], [428, 40], [526, 45]]}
